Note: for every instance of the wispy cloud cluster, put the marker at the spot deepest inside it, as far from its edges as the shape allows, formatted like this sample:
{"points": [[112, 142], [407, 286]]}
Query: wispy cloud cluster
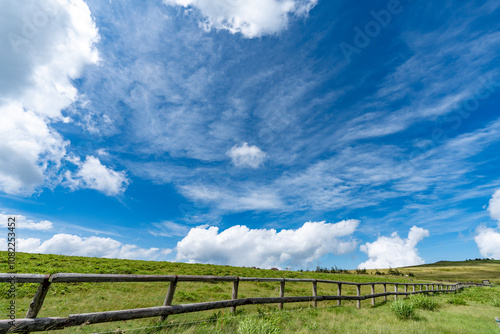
{"points": [[242, 246], [250, 18], [394, 251]]}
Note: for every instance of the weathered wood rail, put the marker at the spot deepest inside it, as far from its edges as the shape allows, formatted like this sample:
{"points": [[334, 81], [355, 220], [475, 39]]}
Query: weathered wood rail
{"points": [[31, 323]]}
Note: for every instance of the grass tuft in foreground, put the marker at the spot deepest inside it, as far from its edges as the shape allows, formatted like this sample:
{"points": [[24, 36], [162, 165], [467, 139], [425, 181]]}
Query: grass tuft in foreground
{"points": [[403, 309], [258, 326], [424, 302]]}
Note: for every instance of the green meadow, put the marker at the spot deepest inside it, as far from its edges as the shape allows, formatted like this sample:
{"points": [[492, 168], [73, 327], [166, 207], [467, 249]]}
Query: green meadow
{"points": [[471, 311]]}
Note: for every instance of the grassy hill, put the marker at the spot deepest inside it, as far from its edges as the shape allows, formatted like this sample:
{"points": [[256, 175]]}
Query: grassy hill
{"points": [[472, 270], [65, 299]]}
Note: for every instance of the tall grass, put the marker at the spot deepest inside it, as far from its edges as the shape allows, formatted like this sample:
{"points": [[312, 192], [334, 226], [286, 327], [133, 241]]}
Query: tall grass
{"points": [[63, 299], [403, 309], [424, 302], [258, 326]]}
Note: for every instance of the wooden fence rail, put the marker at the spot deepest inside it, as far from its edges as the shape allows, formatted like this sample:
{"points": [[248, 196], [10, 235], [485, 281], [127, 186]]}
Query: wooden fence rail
{"points": [[31, 323]]}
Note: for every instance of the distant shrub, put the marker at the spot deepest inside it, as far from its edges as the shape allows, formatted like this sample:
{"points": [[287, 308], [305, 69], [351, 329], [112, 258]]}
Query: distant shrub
{"points": [[333, 270], [424, 302], [395, 272], [403, 309]]}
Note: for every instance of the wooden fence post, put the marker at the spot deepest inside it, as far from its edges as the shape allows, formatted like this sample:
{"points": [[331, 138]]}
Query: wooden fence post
{"points": [[406, 287], [373, 292], [421, 287], [339, 293], [38, 298], [282, 292], [395, 290], [170, 296], [315, 292], [358, 293], [235, 292], [413, 287]]}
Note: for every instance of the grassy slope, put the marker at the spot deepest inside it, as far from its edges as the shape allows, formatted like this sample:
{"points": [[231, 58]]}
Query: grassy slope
{"points": [[64, 299], [459, 271]]}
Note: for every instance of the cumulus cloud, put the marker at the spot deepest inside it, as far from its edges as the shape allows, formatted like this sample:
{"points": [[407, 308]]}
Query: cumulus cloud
{"points": [[246, 156], [93, 175], [242, 246], [45, 46], [394, 251], [494, 206], [488, 242], [24, 223], [488, 239], [250, 18], [30, 151], [66, 244]]}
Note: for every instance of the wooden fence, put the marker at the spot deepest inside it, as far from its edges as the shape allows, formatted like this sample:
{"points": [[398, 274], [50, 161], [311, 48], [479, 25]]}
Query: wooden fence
{"points": [[31, 323]]}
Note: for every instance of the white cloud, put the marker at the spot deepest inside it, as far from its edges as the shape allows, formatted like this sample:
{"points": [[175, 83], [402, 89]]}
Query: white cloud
{"points": [[488, 242], [246, 156], [393, 251], [24, 223], [93, 175], [242, 246], [30, 151], [45, 46], [66, 244], [488, 239], [494, 206], [250, 18]]}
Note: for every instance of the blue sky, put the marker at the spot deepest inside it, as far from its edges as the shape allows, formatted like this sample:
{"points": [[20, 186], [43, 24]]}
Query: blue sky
{"points": [[287, 133]]}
